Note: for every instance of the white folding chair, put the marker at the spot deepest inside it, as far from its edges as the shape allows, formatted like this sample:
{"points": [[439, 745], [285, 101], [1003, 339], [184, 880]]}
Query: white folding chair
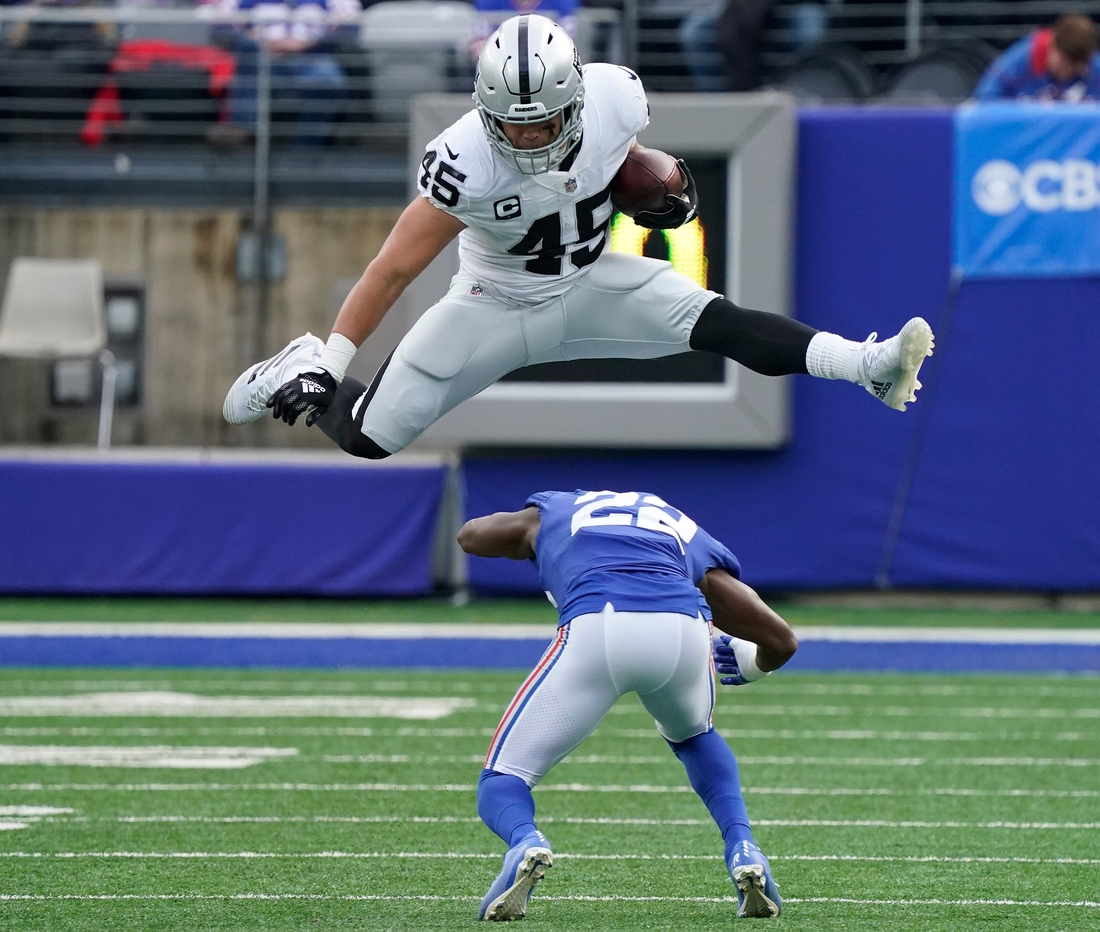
{"points": [[53, 308]]}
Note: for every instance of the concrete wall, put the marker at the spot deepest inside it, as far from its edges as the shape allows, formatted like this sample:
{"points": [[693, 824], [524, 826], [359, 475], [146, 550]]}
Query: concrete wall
{"points": [[196, 326]]}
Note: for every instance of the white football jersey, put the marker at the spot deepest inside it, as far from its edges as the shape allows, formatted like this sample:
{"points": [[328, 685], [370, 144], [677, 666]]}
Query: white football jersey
{"points": [[529, 238]]}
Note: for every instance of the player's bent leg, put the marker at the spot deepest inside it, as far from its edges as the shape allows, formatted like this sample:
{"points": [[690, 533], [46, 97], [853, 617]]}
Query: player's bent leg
{"points": [[458, 347], [343, 421], [506, 806], [775, 345], [712, 771], [770, 344], [556, 707], [682, 708]]}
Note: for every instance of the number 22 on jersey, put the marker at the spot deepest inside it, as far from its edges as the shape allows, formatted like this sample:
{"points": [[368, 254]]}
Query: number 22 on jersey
{"points": [[629, 508]]}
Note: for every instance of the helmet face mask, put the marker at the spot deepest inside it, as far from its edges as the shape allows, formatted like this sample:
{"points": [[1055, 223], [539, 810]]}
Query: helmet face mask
{"points": [[529, 72]]}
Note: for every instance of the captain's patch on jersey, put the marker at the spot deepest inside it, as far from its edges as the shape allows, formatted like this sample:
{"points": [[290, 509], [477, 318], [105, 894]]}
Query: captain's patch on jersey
{"points": [[507, 208]]}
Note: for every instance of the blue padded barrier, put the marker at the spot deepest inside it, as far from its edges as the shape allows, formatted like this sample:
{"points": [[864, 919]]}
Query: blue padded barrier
{"points": [[1006, 493], [216, 528]]}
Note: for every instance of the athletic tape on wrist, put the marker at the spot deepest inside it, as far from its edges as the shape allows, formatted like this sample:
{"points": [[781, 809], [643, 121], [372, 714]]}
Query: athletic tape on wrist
{"points": [[337, 355], [745, 652]]}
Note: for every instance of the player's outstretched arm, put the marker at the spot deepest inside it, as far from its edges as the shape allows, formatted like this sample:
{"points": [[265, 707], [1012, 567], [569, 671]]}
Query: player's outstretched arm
{"points": [[510, 534], [741, 613], [420, 234]]}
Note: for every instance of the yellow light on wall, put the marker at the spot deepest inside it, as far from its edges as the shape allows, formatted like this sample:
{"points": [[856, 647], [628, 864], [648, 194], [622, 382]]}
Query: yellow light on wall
{"points": [[686, 245]]}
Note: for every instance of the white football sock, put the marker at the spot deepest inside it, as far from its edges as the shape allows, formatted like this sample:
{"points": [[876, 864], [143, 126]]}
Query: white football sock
{"points": [[832, 357], [337, 355]]}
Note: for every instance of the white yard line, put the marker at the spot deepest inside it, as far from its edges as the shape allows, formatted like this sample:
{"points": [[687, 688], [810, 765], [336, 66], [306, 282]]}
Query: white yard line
{"points": [[261, 730], [567, 820], [771, 760], [493, 856], [246, 855], [1088, 904], [647, 734], [557, 787], [157, 756], [868, 735], [873, 710], [190, 705], [872, 635], [409, 897]]}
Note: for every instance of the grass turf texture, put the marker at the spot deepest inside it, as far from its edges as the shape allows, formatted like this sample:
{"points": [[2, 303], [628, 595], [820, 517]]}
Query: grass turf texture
{"points": [[482, 611], [879, 762]]}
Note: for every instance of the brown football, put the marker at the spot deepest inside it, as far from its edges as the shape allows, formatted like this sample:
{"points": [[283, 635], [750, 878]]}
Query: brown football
{"points": [[644, 179]]}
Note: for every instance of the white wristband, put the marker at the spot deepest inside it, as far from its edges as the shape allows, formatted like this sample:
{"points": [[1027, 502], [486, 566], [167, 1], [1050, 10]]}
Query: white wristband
{"points": [[745, 652], [337, 355]]}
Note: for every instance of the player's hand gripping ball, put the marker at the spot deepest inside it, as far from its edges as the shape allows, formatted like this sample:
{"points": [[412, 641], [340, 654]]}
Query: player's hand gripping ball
{"points": [[316, 390], [655, 189]]}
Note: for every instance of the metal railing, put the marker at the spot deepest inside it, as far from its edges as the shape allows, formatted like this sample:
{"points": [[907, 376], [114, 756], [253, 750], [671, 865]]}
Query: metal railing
{"points": [[116, 74], [199, 77], [885, 35]]}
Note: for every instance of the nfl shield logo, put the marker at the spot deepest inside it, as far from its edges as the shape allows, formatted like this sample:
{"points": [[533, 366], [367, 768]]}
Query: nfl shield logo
{"points": [[571, 185]]}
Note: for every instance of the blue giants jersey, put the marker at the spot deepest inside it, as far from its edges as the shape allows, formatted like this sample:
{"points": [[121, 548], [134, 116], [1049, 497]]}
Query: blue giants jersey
{"points": [[627, 548]]}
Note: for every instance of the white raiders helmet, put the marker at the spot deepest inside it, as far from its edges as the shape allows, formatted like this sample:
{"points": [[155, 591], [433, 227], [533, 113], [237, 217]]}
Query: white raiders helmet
{"points": [[529, 72]]}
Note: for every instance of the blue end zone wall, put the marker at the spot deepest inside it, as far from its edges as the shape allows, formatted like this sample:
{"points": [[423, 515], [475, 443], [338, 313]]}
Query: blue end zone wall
{"points": [[204, 528], [1006, 493]]}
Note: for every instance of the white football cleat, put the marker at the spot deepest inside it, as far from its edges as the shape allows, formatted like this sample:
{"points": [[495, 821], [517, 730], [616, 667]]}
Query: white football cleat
{"points": [[525, 865], [888, 370], [757, 892], [247, 399]]}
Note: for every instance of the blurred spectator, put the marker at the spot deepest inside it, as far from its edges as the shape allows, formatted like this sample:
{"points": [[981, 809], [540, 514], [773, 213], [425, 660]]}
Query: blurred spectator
{"points": [[1059, 63], [301, 36], [491, 13], [721, 45], [699, 44], [740, 31], [49, 71]]}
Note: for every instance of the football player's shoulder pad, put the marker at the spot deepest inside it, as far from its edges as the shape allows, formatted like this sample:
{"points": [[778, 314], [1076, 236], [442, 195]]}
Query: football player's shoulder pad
{"points": [[458, 167], [617, 94]]}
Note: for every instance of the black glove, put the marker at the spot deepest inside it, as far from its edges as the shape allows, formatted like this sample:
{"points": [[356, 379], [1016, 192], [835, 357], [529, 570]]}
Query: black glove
{"points": [[315, 390], [681, 209]]}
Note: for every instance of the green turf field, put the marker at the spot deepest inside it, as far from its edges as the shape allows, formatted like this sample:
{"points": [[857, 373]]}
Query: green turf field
{"points": [[886, 802], [484, 611]]}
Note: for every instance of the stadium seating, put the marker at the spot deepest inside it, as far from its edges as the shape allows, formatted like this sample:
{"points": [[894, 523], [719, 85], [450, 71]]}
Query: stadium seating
{"points": [[416, 47]]}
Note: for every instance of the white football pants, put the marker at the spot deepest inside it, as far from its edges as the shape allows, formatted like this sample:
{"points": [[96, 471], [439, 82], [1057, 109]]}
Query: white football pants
{"points": [[665, 658], [627, 307]]}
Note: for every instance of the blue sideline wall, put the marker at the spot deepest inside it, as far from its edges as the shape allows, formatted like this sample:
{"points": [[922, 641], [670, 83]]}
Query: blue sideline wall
{"points": [[1006, 492], [176, 527]]}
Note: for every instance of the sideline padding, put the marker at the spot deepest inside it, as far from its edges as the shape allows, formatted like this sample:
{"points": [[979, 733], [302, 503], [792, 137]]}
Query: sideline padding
{"points": [[199, 644], [170, 522]]}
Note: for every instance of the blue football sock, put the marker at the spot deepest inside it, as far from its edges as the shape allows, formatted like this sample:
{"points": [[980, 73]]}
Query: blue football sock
{"points": [[712, 771], [506, 805]]}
